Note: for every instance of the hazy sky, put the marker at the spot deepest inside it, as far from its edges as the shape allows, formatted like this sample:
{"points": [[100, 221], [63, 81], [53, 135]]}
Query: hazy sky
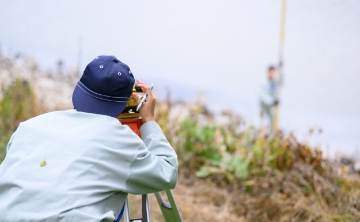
{"points": [[222, 47]]}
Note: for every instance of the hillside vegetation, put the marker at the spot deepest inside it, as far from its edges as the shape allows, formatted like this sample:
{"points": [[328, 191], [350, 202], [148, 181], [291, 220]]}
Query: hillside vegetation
{"points": [[228, 172]]}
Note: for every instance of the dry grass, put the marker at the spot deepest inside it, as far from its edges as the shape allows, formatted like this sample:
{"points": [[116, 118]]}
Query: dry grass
{"points": [[239, 173]]}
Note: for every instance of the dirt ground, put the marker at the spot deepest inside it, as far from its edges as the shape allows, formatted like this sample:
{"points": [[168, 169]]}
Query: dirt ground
{"points": [[197, 200]]}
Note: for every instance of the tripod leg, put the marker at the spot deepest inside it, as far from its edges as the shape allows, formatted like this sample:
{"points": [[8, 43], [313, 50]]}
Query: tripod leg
{"points": [[146, 217], [126, 212], [168, 209]]}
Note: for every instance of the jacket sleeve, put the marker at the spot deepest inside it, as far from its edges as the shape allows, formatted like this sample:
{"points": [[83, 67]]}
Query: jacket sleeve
{"points": [[280, 78], [155, 167], [10, 142]]}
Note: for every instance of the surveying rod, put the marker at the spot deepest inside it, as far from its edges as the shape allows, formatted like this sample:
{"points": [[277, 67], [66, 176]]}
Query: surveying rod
{"points": [[280, 68]]}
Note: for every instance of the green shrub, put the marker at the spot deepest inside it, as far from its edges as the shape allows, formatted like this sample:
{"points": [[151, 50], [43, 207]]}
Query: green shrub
{"points": [[17, 104]]}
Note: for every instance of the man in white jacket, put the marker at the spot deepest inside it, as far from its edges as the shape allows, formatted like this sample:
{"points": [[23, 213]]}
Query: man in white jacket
{"points": [[269, 96], [80, 164]]}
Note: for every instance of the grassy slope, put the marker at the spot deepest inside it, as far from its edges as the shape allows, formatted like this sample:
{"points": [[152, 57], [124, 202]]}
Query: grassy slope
{"points": [[257, 179], [227, 172]]}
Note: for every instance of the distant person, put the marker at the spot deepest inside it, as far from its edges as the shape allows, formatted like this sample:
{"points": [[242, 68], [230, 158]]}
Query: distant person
{"points": [[269, 97], [80, 164]]}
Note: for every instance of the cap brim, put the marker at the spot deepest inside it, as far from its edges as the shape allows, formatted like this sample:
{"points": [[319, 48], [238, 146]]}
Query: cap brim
{"points": [[83, 102]]}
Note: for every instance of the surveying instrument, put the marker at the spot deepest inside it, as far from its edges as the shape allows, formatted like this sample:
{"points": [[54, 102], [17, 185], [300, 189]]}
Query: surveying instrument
{"points": [[131, 117]]}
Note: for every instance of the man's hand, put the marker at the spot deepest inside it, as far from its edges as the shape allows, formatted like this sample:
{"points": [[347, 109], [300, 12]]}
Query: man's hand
{"points": [[147, 109]]}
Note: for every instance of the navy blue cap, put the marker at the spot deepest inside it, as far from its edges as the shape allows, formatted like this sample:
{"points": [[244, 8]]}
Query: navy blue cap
{"points": [[104, 88]]}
